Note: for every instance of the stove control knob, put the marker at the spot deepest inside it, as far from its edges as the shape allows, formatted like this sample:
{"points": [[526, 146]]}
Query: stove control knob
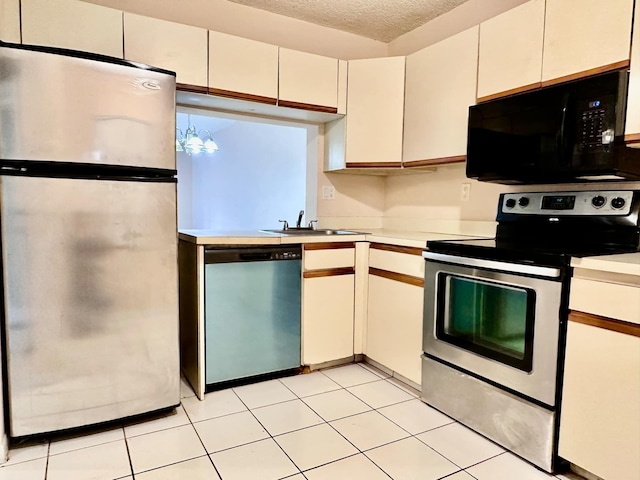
{"points": [[618, 202], [523, 201], [598, 201], [510, 203]]}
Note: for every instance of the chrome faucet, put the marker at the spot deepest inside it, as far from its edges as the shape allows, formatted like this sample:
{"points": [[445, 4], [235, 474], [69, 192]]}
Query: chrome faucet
{"points": [[299, 222]]}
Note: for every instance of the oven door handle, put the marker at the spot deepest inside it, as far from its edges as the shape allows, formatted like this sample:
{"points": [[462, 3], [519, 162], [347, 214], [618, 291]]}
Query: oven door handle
{"points": [[548, 272]]}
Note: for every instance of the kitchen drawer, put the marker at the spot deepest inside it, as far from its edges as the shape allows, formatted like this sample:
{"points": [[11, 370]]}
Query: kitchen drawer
{"points": [[397, 259], [607, 299], [329, 257]]}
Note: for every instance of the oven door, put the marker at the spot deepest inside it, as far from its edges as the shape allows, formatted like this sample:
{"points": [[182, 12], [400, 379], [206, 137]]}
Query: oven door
{"points": [[496, 320]]}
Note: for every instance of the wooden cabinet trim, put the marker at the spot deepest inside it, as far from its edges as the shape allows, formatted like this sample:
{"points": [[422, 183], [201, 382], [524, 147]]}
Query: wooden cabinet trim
{"points": [[398, 277], [512, 91], [186, 87], [329, 272], [373, 164], [632, 138], [307, 106], [605, 323], [219, 92], [587, 73], [329, 245], [395, 248], [435, 161], [567, 78]]}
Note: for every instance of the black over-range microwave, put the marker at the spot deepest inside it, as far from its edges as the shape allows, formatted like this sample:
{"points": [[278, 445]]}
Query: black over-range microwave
{"points": [[571, 132]]}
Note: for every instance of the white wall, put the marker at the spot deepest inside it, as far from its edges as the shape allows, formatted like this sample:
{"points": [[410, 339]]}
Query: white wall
{"points": [[256, 178]]}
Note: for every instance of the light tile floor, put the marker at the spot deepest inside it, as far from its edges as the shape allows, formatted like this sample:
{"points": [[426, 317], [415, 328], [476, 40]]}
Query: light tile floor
{"points": [[351, 422]]}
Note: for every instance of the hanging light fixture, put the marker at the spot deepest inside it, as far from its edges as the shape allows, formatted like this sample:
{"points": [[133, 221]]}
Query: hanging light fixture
{"points": [[192, 141]]}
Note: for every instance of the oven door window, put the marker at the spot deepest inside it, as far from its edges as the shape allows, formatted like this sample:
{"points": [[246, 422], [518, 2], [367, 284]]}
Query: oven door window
{"points": [[491, 319]]}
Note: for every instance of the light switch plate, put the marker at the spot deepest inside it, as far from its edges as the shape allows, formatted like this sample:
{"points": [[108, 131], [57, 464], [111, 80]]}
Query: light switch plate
{"points": [[328, 192]]}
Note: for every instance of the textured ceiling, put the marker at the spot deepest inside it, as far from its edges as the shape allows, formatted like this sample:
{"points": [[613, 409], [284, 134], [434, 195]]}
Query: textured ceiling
{"points": [[382, 20]]}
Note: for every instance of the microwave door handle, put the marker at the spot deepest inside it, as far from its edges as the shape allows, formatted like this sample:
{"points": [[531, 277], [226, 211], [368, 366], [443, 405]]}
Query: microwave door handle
{"points": [[564, 130]]}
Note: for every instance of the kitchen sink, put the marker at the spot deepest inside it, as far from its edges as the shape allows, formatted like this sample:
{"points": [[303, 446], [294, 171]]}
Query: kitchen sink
{"points": [[309, 231]]}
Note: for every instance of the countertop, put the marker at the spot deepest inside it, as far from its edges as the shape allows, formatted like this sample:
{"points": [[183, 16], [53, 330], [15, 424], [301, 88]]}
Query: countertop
{"points": [[393, 237], [626, 263]]}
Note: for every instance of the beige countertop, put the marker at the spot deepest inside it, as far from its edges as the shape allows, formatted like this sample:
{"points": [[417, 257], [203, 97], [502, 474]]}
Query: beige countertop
{"points": [[393, 237], [626, 263]]}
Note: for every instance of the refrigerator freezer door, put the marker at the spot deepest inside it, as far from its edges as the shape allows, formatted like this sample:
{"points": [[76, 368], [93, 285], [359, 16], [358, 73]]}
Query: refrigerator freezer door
{"points": [[68, 109], [91, 308]]}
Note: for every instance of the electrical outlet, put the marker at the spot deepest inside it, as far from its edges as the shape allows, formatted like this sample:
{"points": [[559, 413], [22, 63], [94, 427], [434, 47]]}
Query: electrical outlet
{"points": [[328, 192], [465, 192]]}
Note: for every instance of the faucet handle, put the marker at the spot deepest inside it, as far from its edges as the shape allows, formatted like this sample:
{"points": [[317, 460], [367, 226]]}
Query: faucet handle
{"points": [[286, 224], [313, 224]]}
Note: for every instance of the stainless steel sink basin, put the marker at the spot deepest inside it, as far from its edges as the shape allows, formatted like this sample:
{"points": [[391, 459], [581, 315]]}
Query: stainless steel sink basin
{"points": [[308, 231]]}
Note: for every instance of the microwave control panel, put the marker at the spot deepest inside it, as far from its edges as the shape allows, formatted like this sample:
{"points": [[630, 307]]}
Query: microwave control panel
{"points": [[584, 203], [596, 122]]}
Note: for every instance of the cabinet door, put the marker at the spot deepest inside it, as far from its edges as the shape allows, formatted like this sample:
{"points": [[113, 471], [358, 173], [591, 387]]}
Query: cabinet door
{"points": [[327, 318], [510, 58], [632, 125], [394, 326], [72, 24], [308, 81], [600, 420], [243, 68], [591, 35], [440, 86], [172, 46], [375, 106], [10, 21]]}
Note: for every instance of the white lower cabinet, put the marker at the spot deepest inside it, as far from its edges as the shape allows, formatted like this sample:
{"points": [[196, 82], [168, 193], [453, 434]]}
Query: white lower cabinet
{"points": [[328, 288], [600, 416], [600, 419], [394, 318]]}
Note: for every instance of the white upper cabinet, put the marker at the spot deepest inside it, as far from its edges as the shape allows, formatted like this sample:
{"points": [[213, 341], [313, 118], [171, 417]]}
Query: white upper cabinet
{"points": [[510, 57], [72, 24], [172, 46], [585, 35], [308, 81], [10, 21], [375, 106], [441, 83], [243, 68], [632, 125]]}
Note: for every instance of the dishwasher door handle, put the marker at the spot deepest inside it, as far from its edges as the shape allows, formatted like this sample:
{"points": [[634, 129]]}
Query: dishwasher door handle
{"points": [[253, 256]]}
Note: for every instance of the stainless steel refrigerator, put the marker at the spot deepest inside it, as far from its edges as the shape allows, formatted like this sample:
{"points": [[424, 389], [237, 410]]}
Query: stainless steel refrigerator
{"points": [[88, 238]]}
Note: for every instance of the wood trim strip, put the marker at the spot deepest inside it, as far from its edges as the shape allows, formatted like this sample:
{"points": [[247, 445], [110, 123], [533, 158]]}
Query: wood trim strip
{"points": [[329, 245], [605, 323], [510, 92], [373, 165], [398, 249], [398, 277], [307, 106], [632, 138], [219, 92], [186, 87], [432, 162], [329, 272], [587, 73]]}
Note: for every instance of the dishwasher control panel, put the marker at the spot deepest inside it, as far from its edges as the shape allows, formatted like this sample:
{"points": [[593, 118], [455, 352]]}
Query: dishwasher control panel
{"points": [[287, 255]]}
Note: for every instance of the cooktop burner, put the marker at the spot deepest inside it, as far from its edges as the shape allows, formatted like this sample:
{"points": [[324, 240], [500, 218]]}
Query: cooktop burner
{"points": [[548, 228]]}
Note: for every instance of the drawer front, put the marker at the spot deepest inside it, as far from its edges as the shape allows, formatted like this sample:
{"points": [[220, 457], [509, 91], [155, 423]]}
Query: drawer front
{"points": [[331, 258], [405, 263], [606, 299]]}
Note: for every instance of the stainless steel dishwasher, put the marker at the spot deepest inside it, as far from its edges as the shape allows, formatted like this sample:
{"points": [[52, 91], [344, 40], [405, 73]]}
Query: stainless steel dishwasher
{"points": [[252, 312]]}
